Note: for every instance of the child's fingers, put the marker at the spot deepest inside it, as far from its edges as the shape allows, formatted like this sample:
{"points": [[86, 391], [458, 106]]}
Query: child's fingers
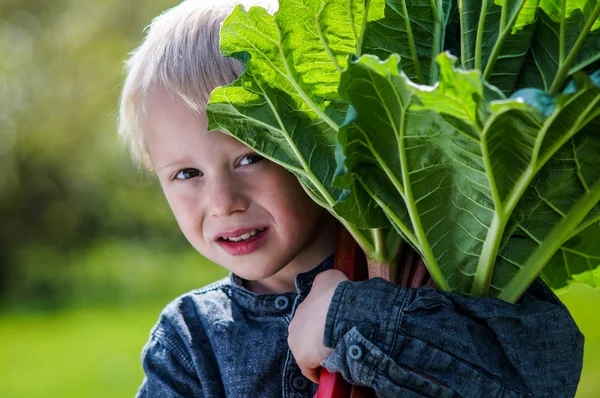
{"points": [[312, 374]]}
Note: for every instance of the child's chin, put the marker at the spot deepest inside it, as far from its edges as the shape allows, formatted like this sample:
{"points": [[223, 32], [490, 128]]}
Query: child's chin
{"points": [[256, 276]]}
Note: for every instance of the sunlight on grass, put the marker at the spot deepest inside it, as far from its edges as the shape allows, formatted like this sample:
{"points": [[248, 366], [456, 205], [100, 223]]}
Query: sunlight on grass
{"points": [[92, 353]]}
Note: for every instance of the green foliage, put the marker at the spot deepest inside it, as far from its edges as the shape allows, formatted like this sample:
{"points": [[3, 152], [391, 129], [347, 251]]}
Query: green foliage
{"points": [[110, 272], [67, 187], [489, 190], [456, 167], [496, 38], [85, 352], [566, 40]]}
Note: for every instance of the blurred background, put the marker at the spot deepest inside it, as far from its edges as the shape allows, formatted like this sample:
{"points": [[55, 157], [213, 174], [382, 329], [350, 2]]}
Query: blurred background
{"points": [[89, 252]]}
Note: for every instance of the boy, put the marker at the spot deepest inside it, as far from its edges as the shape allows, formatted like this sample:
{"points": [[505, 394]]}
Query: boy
{"points": [[265, 330]]}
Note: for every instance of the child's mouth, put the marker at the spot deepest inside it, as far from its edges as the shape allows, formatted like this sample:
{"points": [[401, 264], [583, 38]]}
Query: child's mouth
{"points": [[245, 243], [247, 236]]}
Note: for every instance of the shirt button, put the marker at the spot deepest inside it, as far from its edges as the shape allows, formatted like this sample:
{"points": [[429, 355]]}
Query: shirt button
{"points": [[281, 302], [355, 352], [299, 383]]}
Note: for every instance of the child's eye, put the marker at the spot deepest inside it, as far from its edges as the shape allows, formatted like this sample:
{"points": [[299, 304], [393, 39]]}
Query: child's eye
{"points": [[250, 159], [187, 174]]}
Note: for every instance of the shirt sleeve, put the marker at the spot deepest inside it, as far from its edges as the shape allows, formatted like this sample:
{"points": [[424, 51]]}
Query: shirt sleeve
{"points": [[425, 342], [168, 368]]}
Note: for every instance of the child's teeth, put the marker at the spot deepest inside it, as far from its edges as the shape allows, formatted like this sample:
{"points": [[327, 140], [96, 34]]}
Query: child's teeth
{"points": [[245, 236]]}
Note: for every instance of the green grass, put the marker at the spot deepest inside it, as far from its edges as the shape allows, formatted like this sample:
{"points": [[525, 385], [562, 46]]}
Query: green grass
{"points": [[584, 304], [91, 353], [94, 352]]}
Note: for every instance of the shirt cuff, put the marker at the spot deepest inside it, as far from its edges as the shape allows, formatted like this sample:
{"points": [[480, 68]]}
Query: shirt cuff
{"points": [[374, 307], [362, 363], [375, 327]]}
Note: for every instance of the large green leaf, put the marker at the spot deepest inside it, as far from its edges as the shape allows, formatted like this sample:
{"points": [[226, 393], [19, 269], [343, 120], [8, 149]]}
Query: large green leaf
{"points": [[496, 38], [449, 168], [565, 183], [413, 29], [566, 40], [416, 162]]}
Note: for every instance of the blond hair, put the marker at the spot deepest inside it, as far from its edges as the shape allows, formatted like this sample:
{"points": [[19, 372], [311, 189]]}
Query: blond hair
{"points": [[180, 53]]}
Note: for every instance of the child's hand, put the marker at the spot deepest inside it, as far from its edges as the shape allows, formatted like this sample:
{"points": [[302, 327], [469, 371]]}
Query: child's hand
{"points": [[307, 329]]}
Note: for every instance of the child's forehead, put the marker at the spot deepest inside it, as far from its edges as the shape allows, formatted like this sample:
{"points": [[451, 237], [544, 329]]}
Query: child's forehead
{"points": [[170, 123], [162, 106], [226, 141]]}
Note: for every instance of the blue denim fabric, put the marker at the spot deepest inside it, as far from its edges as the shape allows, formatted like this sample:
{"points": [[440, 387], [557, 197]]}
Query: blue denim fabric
{"points": [[425, 342], [224, 340]]}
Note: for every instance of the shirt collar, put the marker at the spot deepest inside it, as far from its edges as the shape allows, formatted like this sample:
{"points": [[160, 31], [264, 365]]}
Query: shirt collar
{"points": [[305, 280], [265, 303]]}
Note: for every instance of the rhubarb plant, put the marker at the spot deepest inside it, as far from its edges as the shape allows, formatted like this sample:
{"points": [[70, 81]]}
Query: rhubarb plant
{"points": [[469, 130]]}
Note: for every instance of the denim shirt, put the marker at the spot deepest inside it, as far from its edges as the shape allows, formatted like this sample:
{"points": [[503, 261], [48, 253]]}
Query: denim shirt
{"points": [[224, 340]]}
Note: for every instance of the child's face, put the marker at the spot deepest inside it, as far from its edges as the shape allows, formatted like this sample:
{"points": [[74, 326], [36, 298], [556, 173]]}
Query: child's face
{"points": [[241, 211]]}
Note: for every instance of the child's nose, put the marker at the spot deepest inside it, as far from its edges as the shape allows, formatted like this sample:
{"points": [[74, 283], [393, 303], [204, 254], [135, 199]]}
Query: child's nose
{"points": [[226, 198]]}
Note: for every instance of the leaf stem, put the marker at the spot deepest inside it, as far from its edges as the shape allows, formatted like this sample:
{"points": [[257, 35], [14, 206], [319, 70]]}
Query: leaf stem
{"points": [[411, 44], [591, 109], [323, 42], [487, 260], [551, 243], [584, 225], [405, 231], [489, 251], [561, 39], [563, 71], [503, 34], [378, 269], [358, 236], [351, 17], [363, 27], [426, 250], [378, 241], [503, 15], [489, 169], [438, 39], [480, 29], [463, 33]]}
